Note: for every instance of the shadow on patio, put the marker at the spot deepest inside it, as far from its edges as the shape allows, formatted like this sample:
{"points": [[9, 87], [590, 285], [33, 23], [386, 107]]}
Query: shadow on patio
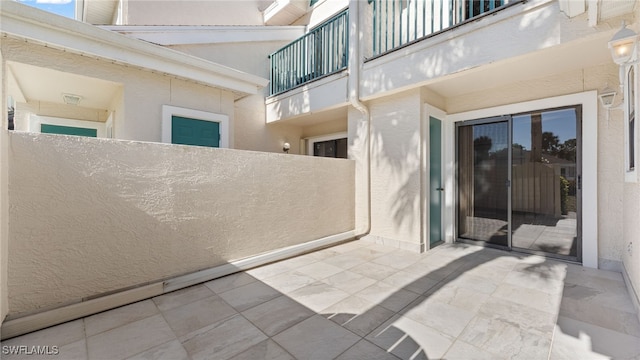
{"points": [[364, 301]]}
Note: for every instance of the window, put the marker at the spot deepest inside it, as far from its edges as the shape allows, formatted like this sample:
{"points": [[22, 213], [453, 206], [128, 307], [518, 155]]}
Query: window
{"points": [[62, 126], [333, 145], [194, 127], [331, 148]]}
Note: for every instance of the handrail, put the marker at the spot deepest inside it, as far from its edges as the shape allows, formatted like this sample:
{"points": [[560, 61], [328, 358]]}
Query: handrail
{"points": [[322, 51], [396, 23]]}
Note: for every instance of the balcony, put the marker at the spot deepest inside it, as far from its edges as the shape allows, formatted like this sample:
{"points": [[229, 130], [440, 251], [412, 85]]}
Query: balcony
{"points": [[396, 23], [321, 52]]}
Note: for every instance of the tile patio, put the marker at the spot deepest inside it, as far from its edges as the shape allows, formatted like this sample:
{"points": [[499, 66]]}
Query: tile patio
{"points": [[365, 301]]}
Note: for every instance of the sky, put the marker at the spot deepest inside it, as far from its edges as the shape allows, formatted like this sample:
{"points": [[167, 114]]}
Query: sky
{"points": [[60, 7]]}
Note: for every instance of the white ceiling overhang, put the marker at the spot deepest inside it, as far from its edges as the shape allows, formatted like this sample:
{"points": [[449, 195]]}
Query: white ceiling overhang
{"points": [[25, 22], [182, 35]]}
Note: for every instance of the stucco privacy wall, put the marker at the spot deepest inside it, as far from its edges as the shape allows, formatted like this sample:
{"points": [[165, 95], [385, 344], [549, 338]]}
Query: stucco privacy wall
{"points": [[90, 216], [144, 92]]}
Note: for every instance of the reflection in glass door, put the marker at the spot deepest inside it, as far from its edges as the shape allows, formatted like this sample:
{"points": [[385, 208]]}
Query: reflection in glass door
{"points": [[483, 166], [519, 182], [545, 182]]}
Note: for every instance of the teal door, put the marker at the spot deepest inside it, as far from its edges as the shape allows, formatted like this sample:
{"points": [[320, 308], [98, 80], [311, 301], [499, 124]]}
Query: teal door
{"points": [[435, 182], [68, 130], [188, 131]]}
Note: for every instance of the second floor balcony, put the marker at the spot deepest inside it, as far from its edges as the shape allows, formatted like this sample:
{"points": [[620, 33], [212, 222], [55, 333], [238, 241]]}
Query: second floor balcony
{"points": [[390, 25], [322, 51]]}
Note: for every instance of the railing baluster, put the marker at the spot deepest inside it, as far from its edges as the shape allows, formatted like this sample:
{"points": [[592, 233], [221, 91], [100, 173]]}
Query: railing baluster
{"points": [[319, 52]]}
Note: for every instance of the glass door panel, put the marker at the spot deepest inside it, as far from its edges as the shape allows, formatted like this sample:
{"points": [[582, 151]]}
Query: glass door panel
{"points": [[545, 181], [483, 174]]}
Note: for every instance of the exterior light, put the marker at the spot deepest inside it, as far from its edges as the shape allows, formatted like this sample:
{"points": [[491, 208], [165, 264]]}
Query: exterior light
{"points": [[607, 97], [286, 147], [623, 45]]}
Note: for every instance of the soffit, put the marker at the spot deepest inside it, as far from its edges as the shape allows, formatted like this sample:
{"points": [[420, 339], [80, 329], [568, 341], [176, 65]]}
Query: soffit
{"points": [[41, 84]]}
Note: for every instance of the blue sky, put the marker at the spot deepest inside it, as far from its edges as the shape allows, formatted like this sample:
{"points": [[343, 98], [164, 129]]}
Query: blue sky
{"points": [[60, 7]]}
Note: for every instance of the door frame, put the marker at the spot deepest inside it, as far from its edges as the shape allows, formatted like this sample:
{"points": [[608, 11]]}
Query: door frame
{"points": [[589, 102], [425, 198], [488, 120]]}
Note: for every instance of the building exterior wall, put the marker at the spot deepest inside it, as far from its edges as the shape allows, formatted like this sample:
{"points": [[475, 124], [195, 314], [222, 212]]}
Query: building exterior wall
{"points": [[631, 242], [250, 129], [219, 12], [139, 114], [4, 195], [321, 11], [396, 170], [101, 215]]}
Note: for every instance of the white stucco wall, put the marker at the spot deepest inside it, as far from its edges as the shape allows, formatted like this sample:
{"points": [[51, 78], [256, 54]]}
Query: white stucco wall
{"points": [[201, 12], [4, 195], [139, 116], [631, 242], [250, 129], [100, 215], [395, 169], [321, 11]]}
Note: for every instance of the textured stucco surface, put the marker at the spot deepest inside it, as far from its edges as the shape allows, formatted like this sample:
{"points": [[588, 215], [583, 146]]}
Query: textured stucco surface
{"points": [[249, 127], [89, 216], [4, 203], [218, 12], [395, 167], [631, 242]]}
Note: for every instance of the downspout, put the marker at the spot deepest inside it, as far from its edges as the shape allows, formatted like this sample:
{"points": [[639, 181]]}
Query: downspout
{"points": [[355, 70]]}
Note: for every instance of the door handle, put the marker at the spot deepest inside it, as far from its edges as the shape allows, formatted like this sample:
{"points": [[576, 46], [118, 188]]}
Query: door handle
{"points": [[440, 189]]}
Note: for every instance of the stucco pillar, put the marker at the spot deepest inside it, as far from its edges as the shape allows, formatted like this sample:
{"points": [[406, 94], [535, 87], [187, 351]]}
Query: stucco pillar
{"points": [[357, 128]]}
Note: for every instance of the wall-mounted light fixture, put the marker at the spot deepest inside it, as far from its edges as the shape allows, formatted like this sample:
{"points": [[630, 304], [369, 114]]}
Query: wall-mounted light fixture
{"points": [[286, 147], [607, 97], [623, 46]]}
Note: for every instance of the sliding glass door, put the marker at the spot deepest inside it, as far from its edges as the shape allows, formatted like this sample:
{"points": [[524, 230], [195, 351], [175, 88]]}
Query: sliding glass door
{"points": [[483, 166], [519, 182], [545, 181]]}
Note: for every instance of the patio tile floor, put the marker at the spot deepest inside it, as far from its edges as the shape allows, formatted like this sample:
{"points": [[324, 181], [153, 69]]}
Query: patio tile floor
{"points": [[366, 301]]}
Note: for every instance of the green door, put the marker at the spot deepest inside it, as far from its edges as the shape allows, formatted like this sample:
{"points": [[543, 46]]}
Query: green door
{"points": [[68, 130], [188, 131], [435, 181]]}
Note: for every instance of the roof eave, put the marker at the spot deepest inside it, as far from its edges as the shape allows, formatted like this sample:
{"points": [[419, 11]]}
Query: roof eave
{"points": [[30, 23]]}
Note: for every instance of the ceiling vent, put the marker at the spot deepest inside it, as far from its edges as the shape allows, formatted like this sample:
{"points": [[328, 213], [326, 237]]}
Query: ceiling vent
{"points": [[71, 99]]}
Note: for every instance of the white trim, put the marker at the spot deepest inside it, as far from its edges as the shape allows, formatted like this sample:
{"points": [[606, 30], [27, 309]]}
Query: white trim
{"points": [[169, 111], [36, 120], [314, 139], [31, 24], [589, 102], [630, 175], [186, 35], [447, 194]]}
